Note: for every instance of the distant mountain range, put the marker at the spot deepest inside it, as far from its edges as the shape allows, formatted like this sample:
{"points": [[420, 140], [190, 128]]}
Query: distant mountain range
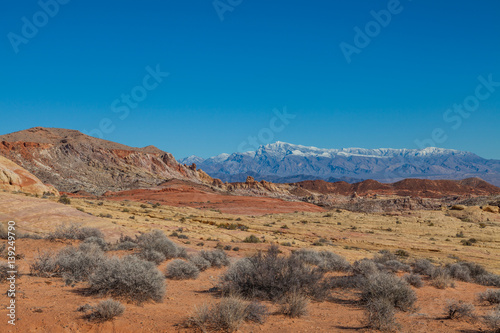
{"points": [[283, 162]]}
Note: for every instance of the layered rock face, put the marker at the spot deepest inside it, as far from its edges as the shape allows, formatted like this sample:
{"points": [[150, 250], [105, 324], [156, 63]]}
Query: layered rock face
{"points": [[72, 161], [15, 178]]}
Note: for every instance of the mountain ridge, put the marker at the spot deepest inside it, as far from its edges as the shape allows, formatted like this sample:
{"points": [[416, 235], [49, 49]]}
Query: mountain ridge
{"points": [[289, 163], [73, 161]]}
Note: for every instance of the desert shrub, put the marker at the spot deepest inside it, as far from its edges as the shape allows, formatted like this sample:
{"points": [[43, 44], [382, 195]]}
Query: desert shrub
{"points": [[98, 241], [488, 279], [84, 308], [459, 272], [469, 271], [396, 266], [423, 267], [383, 256], [256, 312], [459, 310], [382, 286], [307, 256], [365, 267], [181, 270], [152, 255], [475, 270], [126, 245], [492, 320], [346, 282], [128, 277], [491, 296], [227, 315], [76, 264], [216, 258], [380, 315], [333, 262], [441, 279], [106, 310], [402, 253], [294, 305], [64, 200], [74, 231], [44, 265], [325, 260], [251, 239], [414, 280], [270, 276], [201, 263], [4, 269], [29, 236], [156, 240]]}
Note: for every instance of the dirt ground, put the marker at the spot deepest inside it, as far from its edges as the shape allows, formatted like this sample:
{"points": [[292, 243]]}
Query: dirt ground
{"points": [[47, 305]]}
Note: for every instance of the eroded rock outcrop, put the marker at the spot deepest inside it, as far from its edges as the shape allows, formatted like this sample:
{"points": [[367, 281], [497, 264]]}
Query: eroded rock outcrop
{"points": [[15, 178]]}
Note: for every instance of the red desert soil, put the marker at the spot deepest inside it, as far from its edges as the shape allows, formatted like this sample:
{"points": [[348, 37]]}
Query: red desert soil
{"points": [[47, 305], [179, 194]]}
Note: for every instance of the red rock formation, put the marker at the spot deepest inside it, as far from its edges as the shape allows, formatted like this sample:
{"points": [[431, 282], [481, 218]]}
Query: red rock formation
{"points": [[15, 178]]}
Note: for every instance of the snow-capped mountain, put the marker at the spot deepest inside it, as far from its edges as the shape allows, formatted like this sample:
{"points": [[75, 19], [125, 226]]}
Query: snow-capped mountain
{"points": [[285, 162]]}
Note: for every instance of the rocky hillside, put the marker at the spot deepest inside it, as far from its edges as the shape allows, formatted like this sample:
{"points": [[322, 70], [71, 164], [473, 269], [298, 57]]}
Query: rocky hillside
{"points": [[283, 162], [423, 188], [72, 161], [15, 178]]}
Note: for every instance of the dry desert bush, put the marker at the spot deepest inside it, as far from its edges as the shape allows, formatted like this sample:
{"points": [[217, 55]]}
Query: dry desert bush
{"points": [[459, 310], [227, 315], [182, 270], [104, 311]]}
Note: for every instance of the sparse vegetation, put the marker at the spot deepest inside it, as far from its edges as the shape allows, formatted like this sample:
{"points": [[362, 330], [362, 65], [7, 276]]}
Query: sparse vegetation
{"points": [[74, 231], [227, 315], [380, 315], [201, 263], [441, 279], [492, 320], [414, 280], [104, 311], [252, 239], [270, 276], [182, 270], [64, 200], [129, 277], [325, 260], [216, 258], [491, 296], [157, 241], [383, 294], [294, 305], [459, 310]]}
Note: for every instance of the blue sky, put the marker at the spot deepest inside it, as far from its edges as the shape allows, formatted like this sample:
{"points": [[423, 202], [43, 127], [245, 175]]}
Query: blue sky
{"points": [[227, 76]]}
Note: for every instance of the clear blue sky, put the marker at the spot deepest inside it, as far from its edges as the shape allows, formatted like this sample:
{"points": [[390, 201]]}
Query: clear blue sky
{"points": [[226, 77]]}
